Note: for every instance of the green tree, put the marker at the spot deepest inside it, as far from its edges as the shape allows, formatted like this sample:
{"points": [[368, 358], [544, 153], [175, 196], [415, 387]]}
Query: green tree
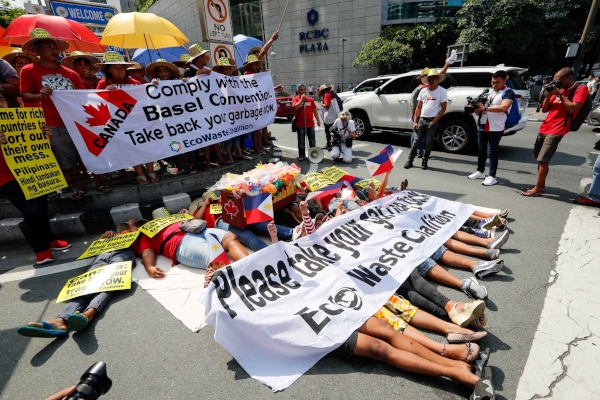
{"points": [[8, 13], [502, 31], [400, 48]]}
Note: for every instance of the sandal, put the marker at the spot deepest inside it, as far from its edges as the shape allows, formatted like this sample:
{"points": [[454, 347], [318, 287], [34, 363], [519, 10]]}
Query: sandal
{"points": [[77, 194], [48, 331], [77, 322], [104, 189], [481, 362], [472, 352], [454, 338], [480, 324], [472, 311], [484, 390], [142, 180], [153, 178]]}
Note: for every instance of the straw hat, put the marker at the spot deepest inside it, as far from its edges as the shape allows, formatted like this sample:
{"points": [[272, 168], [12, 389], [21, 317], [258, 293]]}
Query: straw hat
{"points": [[253, 59], [196, 204], [69, 61], [41, 34], [114, 58], [433, 72], [196, 51], [206, 195], [183, 59], [323, 88], [18, 53], [161, 62], [135, 66], [159, 213], [254, 50]]}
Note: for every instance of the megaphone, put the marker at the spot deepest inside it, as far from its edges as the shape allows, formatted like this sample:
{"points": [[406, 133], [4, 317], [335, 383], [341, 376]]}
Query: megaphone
{"points": [[315, 155]]}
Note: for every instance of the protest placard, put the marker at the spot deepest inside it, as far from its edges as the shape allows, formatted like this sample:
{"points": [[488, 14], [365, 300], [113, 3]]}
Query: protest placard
{"points": [[334, 173], [28, 153], [115, 129], [216, 209], [111, 277], [118, 242], [365, 183], [316, 181], [151, 228]]}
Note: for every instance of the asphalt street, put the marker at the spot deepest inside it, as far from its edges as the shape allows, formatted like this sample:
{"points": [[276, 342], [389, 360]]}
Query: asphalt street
{"points": [[152, 355]]}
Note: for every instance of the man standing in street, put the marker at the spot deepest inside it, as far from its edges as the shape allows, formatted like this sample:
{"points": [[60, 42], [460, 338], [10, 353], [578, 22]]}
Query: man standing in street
{"points": [[350, 87], [491, 126], [431, 106], [561, 110], [305, 109], [330, 111], [591, 84]]}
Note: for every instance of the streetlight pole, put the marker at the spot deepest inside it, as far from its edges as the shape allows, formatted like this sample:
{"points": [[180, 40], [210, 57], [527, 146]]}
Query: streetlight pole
{"points": [[343, 57]]}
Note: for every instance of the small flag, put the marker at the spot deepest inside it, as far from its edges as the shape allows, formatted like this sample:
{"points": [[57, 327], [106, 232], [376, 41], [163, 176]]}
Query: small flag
{"points": [[331, 189], [347, 192], [393, 154], [217, 253], [258, 208], [379, 164]]}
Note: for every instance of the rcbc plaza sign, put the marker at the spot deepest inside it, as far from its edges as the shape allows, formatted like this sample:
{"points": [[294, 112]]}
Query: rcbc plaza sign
{"points": [[312, 17]]}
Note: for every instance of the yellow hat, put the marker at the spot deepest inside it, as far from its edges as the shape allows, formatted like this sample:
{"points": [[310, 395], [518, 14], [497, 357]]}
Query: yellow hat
{"points": [[134, 66], [253, 59], [161, 62], [183, 59], [196, 204], [41, 34], [433, 72], [69, 61], [224, 62], [114, 58], [196, 51]]}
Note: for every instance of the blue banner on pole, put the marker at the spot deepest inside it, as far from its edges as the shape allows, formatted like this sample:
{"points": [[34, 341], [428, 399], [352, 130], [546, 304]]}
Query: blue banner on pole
{"points": [[83, 13]]}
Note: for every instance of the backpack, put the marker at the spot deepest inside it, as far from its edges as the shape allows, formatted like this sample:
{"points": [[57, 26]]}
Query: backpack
{"points": [[583, 111], [339, 101], [513, 116]]}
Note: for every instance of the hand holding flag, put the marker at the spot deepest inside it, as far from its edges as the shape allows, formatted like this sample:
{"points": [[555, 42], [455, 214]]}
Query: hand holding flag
{"points": [[216, 251], [379, 164], [327, 190]]}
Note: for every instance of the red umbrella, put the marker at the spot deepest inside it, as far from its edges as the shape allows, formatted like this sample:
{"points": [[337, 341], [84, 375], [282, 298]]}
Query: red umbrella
{"points": [[2, 41], [78, 35]]}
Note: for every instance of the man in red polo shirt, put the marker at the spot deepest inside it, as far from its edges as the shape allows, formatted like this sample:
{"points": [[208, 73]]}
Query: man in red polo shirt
{"points": [[557, 124], [305, 109]]}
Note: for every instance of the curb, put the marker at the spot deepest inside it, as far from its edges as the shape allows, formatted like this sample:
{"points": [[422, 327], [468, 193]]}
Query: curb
{"points": [[100, 220]]}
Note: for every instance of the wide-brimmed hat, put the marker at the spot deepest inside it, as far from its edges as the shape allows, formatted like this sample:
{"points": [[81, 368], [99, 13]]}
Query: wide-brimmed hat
{"points": [[423, 73], [223, 62], [253, 59], [183, 59], [159, 213], [254, 50], [161, 62], [134, 66], [323, 88], [41, 34], [196, 204], [433, 72], [196, 51], [69, 61], [113, 58], [17, 52]]}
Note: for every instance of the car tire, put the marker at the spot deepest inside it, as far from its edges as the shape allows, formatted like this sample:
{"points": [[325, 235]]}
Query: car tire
{"points": [[290, 117], [362, 124], [455, 136]]}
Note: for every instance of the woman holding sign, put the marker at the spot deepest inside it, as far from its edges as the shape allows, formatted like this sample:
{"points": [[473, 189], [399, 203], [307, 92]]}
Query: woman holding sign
{"points": [[35, 211]]}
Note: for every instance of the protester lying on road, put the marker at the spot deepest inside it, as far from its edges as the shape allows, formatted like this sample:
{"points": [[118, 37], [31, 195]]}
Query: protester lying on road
{"points": [[80, 311]]}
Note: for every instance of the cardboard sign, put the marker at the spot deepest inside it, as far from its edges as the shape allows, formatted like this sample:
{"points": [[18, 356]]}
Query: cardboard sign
{"points": [[334, 173], [316, 181], [151, 228], [216, 209], [28, 153], [365, 183], [118, 242], [104, 279]]}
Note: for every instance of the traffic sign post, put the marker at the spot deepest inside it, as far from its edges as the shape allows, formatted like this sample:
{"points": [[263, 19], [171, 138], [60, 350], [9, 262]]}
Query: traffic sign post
{"points": [[218, 50], [215, 21]]}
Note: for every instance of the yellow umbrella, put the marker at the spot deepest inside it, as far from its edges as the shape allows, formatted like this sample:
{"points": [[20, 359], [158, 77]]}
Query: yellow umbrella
{"points": [[141, 30], [4, 50]]}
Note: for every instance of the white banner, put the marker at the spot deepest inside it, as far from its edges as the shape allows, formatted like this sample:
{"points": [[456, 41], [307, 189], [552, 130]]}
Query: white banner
{"points": [[280, 310], [114, 129]]}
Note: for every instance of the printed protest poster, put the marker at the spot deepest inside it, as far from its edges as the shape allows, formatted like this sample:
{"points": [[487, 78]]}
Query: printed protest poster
{"points": [[365, 183], [28, 153], [316, 181], [114, 129], [334, 173], [118, 242], [111, 277], [216, 209], [151, 228]]}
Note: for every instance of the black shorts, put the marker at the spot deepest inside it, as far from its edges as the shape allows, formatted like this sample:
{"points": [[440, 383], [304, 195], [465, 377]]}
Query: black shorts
{"points": [[346, 350]]}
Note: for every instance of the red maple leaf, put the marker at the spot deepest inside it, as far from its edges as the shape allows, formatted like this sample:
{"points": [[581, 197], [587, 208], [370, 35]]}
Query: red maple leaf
{"points": [[231, 208], [100, 115]]}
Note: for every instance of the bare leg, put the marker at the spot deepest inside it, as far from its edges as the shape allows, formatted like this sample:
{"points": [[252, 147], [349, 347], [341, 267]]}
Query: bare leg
{"points": [[543, 170], [471, 239], [444, 277], [460, 247], [235, 248], [206, 151], [453, 351], [456, 260]]}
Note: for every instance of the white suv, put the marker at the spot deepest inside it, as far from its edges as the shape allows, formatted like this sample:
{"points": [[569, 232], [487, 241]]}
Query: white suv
{"points": [[368, 85], [387, 107]]}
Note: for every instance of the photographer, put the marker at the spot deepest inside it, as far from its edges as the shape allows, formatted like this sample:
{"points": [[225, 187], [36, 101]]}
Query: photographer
{"points": [[342, 137], [557, 124], [492, 122], [431, 106]]}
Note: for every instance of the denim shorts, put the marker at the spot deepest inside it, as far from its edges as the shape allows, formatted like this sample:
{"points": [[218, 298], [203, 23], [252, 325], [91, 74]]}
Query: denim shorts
{"points": [[193, 248], [429, 263]]}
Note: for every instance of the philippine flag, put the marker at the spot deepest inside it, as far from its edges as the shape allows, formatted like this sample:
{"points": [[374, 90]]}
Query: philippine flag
{"points": [[258, 208], [347, 192], [393, 154], [217, 253], [379, 164], [331, 189]]}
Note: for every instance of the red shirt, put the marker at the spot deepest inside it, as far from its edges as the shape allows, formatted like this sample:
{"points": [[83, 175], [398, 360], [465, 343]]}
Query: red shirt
{"points": [[305, 118], [208, 217], [5, 173], [35, 76], [120, 83], [327, 99], [554, 124], [171, 244]]}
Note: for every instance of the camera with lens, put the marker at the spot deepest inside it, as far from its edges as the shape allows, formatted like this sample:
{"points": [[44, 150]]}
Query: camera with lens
{"points": [[472, 101], [336, 138], [553, 84], [94, 383]]}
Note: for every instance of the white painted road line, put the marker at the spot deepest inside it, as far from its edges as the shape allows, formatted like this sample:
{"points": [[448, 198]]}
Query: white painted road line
{"points": [[565, 355], [44, 271]]}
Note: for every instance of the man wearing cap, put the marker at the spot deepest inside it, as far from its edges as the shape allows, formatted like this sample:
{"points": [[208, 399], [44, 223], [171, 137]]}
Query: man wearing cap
{"points": [[431, 106], [39, 80], [199, 58], [330, 111]]}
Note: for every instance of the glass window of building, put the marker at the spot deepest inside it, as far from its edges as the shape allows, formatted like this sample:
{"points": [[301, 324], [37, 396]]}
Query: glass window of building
{"points": [[246, 18]]}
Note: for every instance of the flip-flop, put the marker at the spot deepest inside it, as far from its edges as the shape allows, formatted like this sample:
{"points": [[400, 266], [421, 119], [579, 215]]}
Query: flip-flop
{"points": [[530, 194], [46, 332], [77, 322]]}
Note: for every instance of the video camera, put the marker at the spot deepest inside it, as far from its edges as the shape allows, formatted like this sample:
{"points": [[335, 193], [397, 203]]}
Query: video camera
{"points": [[93, 384], [472, 101], [336, 138], [553, 84]]}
